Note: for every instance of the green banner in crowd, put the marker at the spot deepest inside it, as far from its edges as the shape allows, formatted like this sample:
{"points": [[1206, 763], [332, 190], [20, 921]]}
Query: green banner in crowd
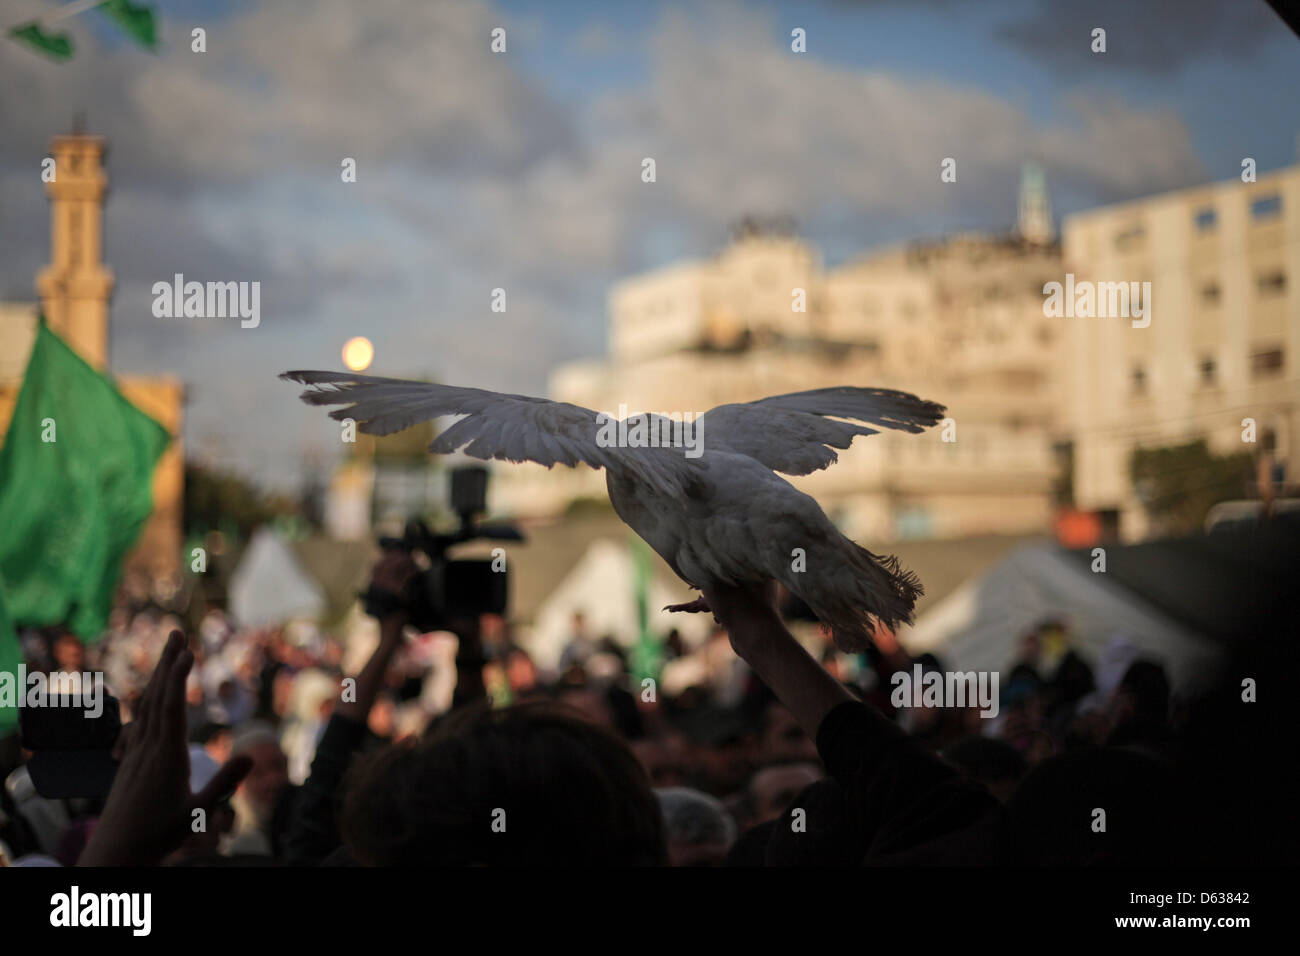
{"points": [[76, 476], [11, 656], [647, 654]]}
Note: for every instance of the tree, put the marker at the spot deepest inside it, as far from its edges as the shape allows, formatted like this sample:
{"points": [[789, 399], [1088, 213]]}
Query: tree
{"points": [[216, 499], [1178, 484]]}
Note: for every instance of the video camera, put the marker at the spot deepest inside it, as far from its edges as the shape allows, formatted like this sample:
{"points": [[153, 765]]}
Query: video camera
{"points": [[450, 590]]}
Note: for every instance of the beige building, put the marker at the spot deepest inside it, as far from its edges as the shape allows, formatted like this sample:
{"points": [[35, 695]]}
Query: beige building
{"points": [[74, 291], [958, 321], [1223, 341]]}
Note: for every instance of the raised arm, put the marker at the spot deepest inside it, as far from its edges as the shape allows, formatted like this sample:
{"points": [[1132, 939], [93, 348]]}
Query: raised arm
{"points": [[313, 830], [762, 640], [391, 575], [899, 802]]}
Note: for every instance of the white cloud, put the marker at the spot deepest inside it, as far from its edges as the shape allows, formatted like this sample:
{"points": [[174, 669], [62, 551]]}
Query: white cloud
{"points": [[471, 177]]}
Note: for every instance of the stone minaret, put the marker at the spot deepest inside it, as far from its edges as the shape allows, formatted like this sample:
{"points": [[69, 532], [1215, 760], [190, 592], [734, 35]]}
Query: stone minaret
{"points": [[75, 287]]}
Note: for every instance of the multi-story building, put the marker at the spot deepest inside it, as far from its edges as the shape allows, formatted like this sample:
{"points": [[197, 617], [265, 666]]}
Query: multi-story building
{"points": [[957, 321], [1222, 344]]}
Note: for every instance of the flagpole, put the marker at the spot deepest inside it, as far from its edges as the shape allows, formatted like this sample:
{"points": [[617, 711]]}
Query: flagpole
{"points": [[69, 10], [63, 12]]}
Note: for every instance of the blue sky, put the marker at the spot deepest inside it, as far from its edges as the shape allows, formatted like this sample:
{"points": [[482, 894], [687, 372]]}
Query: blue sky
{"points": [[521, 170], [1224, 91]]}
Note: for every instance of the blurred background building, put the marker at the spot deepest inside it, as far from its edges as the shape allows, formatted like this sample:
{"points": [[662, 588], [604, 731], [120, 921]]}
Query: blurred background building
{"points": [[958, 320], [1223, 261], [1047, 412]]}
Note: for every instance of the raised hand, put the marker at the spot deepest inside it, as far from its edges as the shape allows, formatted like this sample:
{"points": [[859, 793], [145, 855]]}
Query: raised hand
{"points": [[150, 808], [758, 635]]}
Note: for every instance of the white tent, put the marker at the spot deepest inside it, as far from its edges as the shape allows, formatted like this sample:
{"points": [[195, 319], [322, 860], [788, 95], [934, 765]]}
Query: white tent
{"points": [[270, 587], [602, 586], [980, 625]]}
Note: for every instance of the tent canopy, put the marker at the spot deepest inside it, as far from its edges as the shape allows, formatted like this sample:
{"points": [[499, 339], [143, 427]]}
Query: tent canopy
{"points": [[270, 587], [602, 586], [980, 626]]}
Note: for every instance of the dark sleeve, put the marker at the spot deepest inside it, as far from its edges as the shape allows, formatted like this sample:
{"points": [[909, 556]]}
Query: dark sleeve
{"points": [[313, 830], [902, 803]]}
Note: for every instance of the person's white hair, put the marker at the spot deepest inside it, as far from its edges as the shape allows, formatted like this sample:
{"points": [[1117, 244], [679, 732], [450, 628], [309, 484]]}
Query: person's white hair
{"points": [[694, 818]]}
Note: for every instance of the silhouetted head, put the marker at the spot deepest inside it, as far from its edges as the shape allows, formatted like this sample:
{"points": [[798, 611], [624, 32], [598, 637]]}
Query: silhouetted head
{"points": [[528, 785], [994, 763], [700, 831], [68, 652], [1147, 690], [1111, 807]]}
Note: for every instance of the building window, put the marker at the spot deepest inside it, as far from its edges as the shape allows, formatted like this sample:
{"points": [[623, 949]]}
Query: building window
{"points": [[1268, 207], [1206, 219], [1130, 238], [1139, 380], [1271, 283], [1210, 293], [914, 522], [1266, 363], [1209, 371]]}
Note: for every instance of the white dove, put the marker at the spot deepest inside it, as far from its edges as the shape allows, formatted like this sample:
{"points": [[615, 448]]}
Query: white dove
{"points": [[722, 517]]}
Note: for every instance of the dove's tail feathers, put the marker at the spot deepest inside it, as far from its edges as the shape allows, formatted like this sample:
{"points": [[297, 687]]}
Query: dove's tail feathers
{"points": [[863, 589]]}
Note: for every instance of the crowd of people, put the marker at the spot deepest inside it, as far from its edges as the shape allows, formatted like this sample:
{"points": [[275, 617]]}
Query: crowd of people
{"points": [[753, 748]]}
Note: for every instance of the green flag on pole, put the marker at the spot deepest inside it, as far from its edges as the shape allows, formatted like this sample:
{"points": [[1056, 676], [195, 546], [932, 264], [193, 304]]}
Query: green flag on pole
{"points": [[76, 475], [137, 22], [58, 46]]}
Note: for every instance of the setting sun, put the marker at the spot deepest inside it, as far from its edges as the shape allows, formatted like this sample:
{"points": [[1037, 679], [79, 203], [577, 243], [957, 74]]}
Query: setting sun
{"points": [[358, 353]]}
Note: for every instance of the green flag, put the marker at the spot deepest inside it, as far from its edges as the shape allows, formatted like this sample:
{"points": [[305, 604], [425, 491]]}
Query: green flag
{"points": [[55, 45], [647, 655], [11, 656], [75, 489], [137, 22]]}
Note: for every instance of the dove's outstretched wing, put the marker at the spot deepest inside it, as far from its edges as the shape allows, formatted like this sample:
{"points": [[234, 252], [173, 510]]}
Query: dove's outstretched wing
{"points": [[796, 434], [496, 425]]}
